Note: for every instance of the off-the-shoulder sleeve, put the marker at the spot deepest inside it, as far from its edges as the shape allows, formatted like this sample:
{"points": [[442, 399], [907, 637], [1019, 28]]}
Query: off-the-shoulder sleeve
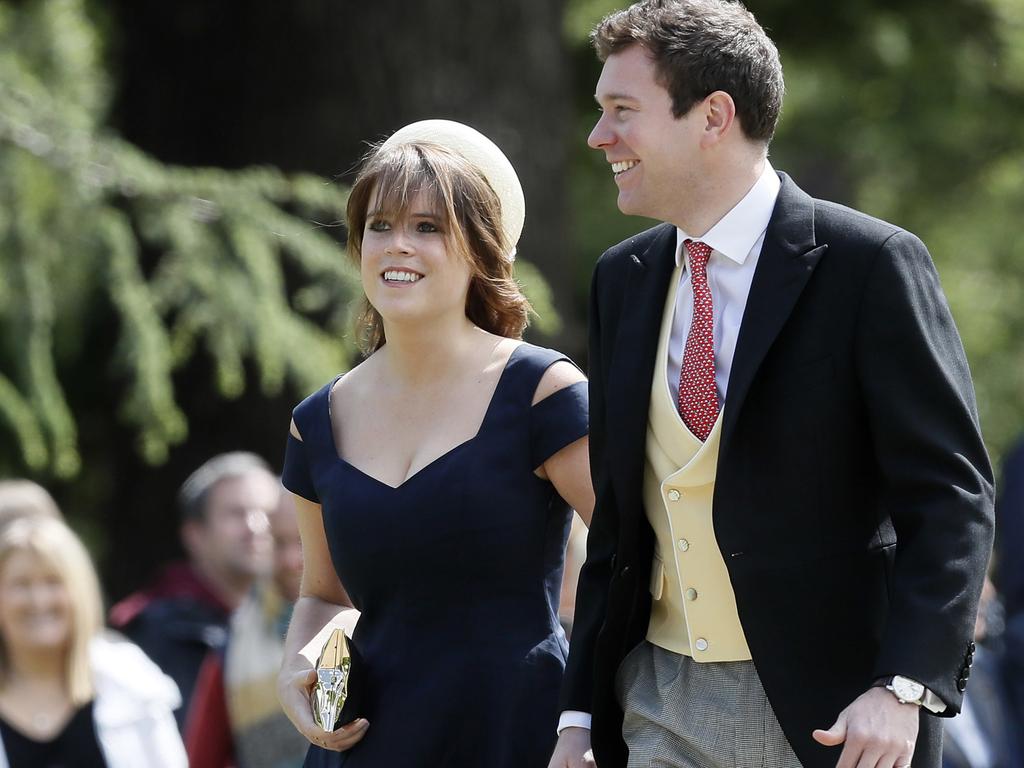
{"points": [[558, 420], [296, 475]]}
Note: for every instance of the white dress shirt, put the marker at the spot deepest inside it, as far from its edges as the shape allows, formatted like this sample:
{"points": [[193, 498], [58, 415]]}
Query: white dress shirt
{"points": [[736, 242]]}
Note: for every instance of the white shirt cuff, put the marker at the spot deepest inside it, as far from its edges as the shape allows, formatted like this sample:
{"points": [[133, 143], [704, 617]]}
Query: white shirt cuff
{"points": [[573, 719], [932, 703]]}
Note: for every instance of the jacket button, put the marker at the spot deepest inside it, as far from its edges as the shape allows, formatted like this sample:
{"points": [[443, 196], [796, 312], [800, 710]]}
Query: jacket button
{"points": [[674, 495], [701, 644], [684, 545], [691, 594], [625, 570], [972, 646], [961, 684]]}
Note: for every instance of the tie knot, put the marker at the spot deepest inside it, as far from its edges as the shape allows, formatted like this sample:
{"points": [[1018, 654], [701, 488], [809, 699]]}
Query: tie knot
{"points": [[699, 253]]}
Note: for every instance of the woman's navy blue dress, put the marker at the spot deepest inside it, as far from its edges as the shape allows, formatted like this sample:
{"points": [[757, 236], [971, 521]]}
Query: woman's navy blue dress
{"points": [[457, 574]]}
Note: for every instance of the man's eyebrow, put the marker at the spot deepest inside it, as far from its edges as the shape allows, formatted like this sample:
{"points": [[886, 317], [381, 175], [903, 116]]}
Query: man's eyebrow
{"points": [[614, 97]]}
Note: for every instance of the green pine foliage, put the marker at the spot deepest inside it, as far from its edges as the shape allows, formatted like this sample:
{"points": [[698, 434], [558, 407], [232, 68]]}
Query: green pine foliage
{"points": [[189, 258]]}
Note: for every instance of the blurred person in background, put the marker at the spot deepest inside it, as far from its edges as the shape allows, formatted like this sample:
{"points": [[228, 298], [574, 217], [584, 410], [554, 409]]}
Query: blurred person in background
{"points": [[984, 734], [236, 717], [431, 480], [23, 498], [184, 616], [71, 696], [264, 737], [1009, 573]]}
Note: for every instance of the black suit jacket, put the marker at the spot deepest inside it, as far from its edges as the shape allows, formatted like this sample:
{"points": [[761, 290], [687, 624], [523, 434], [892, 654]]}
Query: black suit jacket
{"points": [[853, 502]]}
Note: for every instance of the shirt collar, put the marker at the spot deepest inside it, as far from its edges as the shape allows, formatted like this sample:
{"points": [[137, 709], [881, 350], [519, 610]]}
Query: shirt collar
{"points": [[735, 233]]}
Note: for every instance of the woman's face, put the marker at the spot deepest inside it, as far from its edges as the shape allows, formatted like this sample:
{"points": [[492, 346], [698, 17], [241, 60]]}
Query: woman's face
{"points": [[409, 273], [35, 609]]}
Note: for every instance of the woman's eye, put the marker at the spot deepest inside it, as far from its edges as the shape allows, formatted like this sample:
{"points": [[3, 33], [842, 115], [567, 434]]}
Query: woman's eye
{"points": [[426, 226], [378, 225]]}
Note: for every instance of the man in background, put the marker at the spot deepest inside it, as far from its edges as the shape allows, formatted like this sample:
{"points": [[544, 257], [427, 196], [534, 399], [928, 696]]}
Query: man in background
{"points": [[264, 736], [225, 505]]}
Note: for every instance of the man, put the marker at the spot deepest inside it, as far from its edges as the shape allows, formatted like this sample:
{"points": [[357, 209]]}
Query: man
{"points": [[1010, 574], [794, 503], [985, 734], [224, 507], [264, 736], [236, 716]]}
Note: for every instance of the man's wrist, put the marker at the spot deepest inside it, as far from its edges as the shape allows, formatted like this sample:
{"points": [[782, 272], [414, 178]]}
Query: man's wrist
{"points": [[906, 690], [573, 719]]}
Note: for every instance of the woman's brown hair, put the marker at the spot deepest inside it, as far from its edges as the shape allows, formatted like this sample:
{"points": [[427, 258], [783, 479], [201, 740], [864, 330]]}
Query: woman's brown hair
{"points": [[390, 178]]}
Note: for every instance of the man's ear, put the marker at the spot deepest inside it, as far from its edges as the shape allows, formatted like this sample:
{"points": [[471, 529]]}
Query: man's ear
{"points": [[720, 117]]}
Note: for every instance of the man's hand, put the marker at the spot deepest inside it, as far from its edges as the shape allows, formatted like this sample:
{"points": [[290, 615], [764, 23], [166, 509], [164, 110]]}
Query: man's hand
{"points": [[876, 730], [573, 750]]}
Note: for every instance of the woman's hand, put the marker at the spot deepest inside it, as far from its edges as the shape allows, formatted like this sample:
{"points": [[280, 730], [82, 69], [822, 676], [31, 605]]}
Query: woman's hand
{"points": [[294, 689]]}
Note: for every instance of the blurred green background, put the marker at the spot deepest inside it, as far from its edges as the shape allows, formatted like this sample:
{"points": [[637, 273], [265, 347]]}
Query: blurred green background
{"points": [[172, 182]]}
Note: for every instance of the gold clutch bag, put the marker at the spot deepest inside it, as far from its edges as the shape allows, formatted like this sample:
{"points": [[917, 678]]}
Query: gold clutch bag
{"points": [[333, 675]]}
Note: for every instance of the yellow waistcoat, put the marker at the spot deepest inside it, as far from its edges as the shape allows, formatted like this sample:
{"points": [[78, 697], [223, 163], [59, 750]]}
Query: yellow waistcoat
{"points": [[693, 609]]}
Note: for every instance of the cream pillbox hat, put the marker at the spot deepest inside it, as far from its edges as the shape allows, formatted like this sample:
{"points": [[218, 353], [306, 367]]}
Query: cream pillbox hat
{"points": [[484, 155]]}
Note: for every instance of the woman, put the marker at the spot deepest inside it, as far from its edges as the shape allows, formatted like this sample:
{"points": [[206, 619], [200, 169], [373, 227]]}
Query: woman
{"points": [[430, 478], [23, 498], [70, 696]]}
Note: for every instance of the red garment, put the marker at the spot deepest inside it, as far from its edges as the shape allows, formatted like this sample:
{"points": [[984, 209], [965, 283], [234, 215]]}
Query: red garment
{"points": [[208, 740], [178, 622], [177, 580]]}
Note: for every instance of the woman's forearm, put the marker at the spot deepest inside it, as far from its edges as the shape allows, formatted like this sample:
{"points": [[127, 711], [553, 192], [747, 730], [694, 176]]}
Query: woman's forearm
{"points": [[310, 618]]}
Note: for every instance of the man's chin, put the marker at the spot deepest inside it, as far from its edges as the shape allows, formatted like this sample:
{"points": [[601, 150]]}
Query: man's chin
{"points": [[631, 206]]}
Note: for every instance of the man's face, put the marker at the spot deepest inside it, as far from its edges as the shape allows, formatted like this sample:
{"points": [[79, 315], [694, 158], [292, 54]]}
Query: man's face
{"points": [[284, 527], [654, 155], [233, 540]]}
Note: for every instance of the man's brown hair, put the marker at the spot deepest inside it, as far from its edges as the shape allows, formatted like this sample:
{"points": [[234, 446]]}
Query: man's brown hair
{"points": [[699, 47]]}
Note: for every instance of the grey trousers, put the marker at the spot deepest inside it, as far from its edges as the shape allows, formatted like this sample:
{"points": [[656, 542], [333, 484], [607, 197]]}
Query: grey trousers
{"points": [[682, 714]]}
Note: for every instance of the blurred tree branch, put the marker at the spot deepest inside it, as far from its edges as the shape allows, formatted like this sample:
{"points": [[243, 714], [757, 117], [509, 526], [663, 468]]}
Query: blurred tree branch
{"points": [[229, 262], [187, 256]]}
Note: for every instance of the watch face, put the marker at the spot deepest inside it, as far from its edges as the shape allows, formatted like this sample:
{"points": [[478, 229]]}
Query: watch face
{"points": [[908, 690]]}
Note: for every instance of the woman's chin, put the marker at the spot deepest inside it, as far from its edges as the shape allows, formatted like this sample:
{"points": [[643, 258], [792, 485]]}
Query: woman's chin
{"points": [[47, 641]]}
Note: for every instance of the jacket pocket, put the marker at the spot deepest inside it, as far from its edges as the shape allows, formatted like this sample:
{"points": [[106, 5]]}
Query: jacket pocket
{"points": [[657, 578]]}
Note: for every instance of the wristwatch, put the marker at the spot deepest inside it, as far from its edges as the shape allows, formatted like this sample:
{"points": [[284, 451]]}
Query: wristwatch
{"points": [[907, 691]]}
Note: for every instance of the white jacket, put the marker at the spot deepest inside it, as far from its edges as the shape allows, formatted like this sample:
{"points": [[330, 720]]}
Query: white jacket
{"points": [[134, 708]]}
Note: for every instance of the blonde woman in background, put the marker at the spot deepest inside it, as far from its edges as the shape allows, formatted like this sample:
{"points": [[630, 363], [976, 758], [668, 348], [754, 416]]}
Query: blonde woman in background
{"points": [[23, 498], [70, 695]]}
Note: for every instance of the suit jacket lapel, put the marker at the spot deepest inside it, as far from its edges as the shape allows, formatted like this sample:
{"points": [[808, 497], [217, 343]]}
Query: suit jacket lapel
{"points": [[632, 364], [788, 258]]}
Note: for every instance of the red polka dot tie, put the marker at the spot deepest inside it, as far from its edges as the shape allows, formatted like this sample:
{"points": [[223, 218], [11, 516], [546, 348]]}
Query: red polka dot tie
{"points": [[698, 397]]}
